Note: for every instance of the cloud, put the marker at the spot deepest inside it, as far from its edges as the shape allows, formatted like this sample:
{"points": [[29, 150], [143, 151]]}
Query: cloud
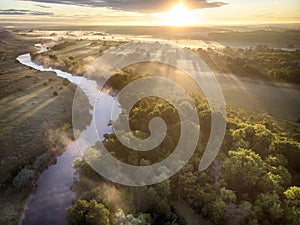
{"points": [[136, 5], [266, 15], [43, 6], [23, 12], [199, 4]]}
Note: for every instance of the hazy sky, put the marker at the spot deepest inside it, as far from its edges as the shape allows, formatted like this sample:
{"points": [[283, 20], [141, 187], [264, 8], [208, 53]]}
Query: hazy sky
{"points": [[149, 12]]}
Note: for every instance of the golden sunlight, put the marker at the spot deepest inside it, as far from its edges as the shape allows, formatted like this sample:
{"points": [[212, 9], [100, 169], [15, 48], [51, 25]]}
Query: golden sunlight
{"points": [[178, 16]]}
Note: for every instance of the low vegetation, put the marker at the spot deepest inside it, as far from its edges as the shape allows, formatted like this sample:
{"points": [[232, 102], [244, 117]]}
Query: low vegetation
{"points": [[24, 180]]}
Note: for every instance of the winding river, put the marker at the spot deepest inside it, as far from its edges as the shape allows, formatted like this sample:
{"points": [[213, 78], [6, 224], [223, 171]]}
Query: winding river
{"points": [[52, 196]]}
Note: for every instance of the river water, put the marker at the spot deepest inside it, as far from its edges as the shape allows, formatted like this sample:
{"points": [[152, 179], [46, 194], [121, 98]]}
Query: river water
{"points": [[53, 194]]}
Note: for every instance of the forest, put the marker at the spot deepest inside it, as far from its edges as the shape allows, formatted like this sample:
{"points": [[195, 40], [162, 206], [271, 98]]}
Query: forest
{"points": [[259, 62], [255, 179]]}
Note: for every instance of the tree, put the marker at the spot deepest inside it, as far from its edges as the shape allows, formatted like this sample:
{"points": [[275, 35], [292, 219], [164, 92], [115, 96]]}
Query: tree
{"points": [[217, 210], [163, 189], [87, 213], [257, 137], [129, 219], [243, 170], [292, 212], [99, 195], [269, 208], [290, 150], [148, 200], [236, 214]]}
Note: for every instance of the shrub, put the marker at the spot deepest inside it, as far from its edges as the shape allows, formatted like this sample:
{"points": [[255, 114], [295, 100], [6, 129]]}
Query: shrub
{"points": [[24, 180], [65, 82], [43, 161], [77, 163]]}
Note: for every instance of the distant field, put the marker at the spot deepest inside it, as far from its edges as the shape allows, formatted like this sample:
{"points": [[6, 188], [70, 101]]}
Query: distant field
{"points": [[275, 36]]}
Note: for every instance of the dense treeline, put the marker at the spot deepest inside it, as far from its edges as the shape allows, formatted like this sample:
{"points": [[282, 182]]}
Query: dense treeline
{"points": [[255, 178], [259, 62]]}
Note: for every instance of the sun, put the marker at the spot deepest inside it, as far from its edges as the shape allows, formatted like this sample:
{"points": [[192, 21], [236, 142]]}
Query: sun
{"points": [[179, 15]]}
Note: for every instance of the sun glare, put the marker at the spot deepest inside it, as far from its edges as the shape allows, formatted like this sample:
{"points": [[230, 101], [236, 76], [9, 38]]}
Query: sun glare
{"points": [[178, 16]]}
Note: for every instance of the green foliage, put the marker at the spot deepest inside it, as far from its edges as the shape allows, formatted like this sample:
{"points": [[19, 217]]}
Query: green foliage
{"points": [[276, 160], [77, 162], [81, 185], [129, 219], [268, 207], [86, 171], [239, 213], [149, 200], [227, 195], [243, 170], [87, 213], [261, 62], [292, 212], [255, 137], [290, 150], [217, 211], [280, 177], [293, 194], [99, 195]]}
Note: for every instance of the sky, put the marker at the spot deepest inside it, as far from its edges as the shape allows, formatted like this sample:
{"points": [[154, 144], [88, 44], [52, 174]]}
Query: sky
{"points": [[150, 12]]}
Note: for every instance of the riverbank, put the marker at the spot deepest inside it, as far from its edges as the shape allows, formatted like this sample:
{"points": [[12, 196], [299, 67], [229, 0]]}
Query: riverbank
{"points": [[35, 120]]}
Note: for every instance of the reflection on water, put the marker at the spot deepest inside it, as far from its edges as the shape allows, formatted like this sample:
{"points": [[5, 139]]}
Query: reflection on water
{"points": [[53, 193]]}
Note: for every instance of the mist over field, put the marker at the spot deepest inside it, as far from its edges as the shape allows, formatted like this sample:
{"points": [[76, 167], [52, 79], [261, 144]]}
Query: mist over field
{"points": [[149, 112]]}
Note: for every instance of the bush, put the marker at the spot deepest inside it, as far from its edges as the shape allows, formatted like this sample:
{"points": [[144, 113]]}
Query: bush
{"points": [[66, 82], [88, 213], [43, 161], [77, 163], [24, 180]]}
